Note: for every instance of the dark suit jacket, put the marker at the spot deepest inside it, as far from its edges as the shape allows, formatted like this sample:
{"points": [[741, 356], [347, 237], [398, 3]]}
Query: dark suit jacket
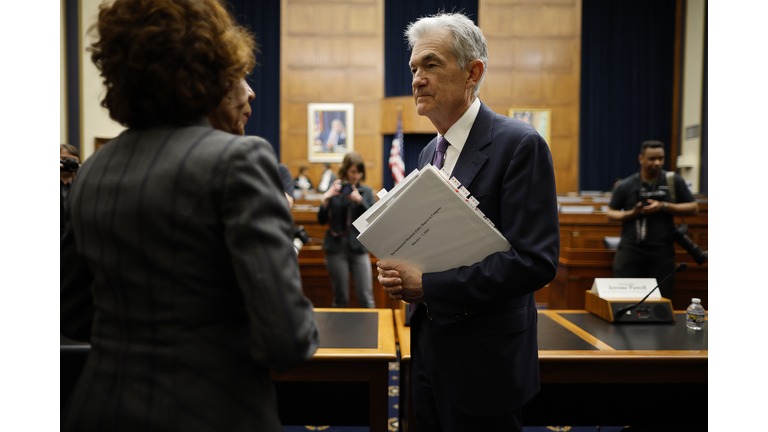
{"points": [[324, 135], [485, 313], [343, 212], [63, 206], [177, 265]]}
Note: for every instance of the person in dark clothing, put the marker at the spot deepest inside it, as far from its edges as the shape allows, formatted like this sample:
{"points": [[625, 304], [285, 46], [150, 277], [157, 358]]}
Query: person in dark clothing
{"points": [[177, 263], [344, 202], [474, 353], [66, 151], [646, 203]]}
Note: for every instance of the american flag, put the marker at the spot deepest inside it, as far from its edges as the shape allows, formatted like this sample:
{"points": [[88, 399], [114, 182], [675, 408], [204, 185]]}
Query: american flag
{"points": [[318, 123], [396, 155]]}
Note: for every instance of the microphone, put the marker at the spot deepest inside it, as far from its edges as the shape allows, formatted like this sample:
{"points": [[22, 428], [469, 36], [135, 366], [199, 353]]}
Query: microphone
{"points": [[682, 266]]}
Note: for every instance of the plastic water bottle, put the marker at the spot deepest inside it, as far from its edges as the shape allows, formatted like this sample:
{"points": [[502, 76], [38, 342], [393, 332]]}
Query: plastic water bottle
{"points": [[695, 316]]}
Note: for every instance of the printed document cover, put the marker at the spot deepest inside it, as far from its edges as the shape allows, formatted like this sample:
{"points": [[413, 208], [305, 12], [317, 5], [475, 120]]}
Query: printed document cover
{"points": [[430, 223]]}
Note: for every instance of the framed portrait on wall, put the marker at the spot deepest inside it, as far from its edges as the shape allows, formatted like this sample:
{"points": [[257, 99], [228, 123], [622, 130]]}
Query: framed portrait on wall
{"points": [[99, 142], [539, 118], [331, 129]]}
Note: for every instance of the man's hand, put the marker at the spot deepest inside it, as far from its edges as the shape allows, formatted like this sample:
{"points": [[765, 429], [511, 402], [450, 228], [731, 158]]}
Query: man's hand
{"points": [[622, 215], [401, 281], [652, 207]]}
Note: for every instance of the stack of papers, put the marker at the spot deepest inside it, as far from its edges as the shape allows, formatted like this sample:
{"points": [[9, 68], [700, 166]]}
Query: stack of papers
{"points": [[429, 222]]}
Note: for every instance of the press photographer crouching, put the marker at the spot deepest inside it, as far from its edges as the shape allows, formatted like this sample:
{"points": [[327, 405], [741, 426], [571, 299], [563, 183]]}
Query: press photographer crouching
{"points": [[69, 163], [646, 203]]}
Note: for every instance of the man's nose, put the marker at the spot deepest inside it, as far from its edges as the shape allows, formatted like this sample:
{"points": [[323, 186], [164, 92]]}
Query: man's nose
{"points": [[418, 80]]}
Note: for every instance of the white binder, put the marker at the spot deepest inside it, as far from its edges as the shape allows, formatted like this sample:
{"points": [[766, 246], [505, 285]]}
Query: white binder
{"points": [[429, 222]]}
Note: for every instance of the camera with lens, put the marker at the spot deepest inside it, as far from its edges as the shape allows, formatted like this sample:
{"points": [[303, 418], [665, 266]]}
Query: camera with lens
{"points": [[346, 188], [300, 238], [645, 195], [69, 165], [679, 235]]}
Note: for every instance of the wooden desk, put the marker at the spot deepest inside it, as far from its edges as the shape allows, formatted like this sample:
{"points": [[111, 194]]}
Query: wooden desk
{"points": [[619, 353], [305, 214], [594, 372], [583, 258], [598, 202], [587, 230], [345, 383], [356, 346]]}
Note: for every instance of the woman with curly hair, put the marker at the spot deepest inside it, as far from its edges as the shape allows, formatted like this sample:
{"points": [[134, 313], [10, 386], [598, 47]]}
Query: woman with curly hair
{"points": [[177, 263]]}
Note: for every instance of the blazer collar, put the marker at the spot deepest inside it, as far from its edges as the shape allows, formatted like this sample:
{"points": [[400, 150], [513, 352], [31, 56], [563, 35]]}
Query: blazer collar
{"points": [[471, 160]]}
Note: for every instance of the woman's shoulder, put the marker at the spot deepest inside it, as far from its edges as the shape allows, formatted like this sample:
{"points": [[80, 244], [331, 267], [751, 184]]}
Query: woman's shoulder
{"points": [[228, 146]]}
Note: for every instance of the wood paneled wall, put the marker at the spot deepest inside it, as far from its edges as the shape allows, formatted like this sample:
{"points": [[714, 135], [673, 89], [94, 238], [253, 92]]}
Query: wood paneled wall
{"points": [[332, 51], [534, 61]]}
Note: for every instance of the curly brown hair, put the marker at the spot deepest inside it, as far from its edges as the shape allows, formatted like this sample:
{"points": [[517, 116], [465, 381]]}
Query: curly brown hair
{"points": [[168, 61]]}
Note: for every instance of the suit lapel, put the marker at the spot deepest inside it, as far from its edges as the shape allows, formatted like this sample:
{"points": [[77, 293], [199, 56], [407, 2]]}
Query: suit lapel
{"points": [[426, 155], [471, 160]]}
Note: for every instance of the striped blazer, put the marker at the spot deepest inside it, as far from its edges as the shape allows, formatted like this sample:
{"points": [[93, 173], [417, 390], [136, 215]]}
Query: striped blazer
{"points": [[177, 266]]}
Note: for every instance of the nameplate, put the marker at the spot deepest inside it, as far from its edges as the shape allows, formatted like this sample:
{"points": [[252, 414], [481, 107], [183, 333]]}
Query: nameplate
{"points": [[625, 288]]}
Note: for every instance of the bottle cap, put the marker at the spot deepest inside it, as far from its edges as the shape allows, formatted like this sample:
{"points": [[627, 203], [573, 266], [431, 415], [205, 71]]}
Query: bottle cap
{"points": [[695, 300]]}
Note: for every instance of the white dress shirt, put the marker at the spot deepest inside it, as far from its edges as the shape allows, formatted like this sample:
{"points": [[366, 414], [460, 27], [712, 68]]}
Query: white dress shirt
{"points": [[457, 135]]}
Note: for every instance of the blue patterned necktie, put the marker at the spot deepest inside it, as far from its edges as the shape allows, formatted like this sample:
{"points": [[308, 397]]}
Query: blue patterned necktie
{"points": [[442, 146]]}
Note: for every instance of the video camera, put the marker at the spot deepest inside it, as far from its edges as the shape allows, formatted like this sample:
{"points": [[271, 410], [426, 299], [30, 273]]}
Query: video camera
{"points": [[679, 235], [69, 165], [300, 237]]}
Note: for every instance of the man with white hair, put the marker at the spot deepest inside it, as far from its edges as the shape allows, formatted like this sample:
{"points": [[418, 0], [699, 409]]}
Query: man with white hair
{"points": [[473, 328], [334, 138]]}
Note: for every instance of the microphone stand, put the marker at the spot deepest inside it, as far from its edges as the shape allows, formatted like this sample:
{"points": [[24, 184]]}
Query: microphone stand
{"points": [[678, 269]]}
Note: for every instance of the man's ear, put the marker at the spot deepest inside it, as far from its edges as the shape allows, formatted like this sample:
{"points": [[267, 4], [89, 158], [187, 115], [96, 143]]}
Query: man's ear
{"points": [[475, 69]]}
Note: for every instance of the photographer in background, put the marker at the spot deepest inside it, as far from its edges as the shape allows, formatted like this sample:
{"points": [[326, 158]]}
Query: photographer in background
{"points": [[69, 163], [344, 202], [644, 203]]}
